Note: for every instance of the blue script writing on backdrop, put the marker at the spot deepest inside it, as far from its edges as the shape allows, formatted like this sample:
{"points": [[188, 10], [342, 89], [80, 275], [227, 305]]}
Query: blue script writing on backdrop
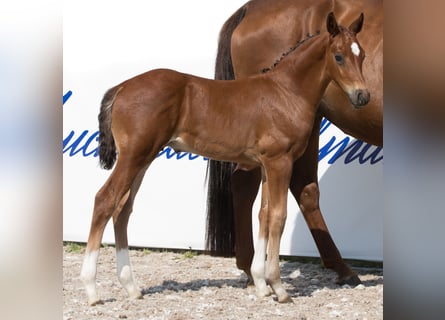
{"points": [[355, 150], [85, 144]]}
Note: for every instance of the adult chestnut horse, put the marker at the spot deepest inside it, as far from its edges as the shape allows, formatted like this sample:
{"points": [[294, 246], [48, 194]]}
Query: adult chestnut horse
{"points": [[250, 40], [163, 107]]}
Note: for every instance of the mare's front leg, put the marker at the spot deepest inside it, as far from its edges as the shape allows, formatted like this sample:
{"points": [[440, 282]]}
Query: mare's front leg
{"points": [[304, 187], [276, 176]]}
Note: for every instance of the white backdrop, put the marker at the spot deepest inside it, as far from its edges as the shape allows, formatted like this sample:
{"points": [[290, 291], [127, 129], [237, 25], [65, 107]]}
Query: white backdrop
{"points": [[106, 42]]}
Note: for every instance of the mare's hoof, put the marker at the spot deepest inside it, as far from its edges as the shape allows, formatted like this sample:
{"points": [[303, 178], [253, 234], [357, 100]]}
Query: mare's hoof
{"points": [[95, 302], [249, 283], [352, 280]]}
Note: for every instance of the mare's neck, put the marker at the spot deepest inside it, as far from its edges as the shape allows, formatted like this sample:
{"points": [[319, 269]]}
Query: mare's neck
{"points": [[305, 70]]}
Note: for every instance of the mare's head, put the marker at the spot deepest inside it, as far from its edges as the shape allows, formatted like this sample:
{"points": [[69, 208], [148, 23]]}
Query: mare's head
{"points": [[345, 58]]}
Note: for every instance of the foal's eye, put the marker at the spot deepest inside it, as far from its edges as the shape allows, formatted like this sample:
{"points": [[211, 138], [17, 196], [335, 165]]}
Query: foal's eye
{"points": [[339, 58]]}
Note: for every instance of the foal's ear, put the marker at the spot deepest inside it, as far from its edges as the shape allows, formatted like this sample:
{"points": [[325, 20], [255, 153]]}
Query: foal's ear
{"points": [[357, 25], [332, 25]]}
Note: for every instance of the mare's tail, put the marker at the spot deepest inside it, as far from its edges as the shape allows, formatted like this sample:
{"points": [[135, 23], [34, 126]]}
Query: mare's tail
{"points": [[107, 147], [220, 231]]}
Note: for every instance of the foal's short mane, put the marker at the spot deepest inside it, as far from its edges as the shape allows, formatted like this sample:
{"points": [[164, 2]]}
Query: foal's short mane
{"points": [[299, 43]]}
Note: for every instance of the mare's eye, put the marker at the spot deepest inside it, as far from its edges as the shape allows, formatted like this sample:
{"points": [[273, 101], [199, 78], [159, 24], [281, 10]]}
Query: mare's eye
{"points": [[339, 58]]}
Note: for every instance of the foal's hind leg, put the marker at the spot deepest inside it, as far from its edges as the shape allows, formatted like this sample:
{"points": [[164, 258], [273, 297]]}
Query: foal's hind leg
{"points": [[258, 267], [120, 220], [109, 199]]}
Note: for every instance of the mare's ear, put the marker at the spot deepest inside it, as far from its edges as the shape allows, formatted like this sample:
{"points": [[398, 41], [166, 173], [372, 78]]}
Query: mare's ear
{"points": [[357, 25], [332, 25]]}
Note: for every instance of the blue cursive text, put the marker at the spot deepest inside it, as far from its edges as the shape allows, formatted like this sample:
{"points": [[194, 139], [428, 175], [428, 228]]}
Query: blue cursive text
{"points": [[85, 144]]}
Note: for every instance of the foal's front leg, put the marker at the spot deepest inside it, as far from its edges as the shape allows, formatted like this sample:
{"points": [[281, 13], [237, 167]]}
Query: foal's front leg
{"points": [[279, 176], [272, 219]]}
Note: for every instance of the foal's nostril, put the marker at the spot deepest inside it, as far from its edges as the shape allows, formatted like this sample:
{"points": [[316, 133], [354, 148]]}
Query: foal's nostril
{"points": [[362, 97]]}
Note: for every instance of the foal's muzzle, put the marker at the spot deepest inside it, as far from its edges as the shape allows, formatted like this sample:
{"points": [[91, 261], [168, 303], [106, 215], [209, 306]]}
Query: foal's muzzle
{"points": [[360, 97]]}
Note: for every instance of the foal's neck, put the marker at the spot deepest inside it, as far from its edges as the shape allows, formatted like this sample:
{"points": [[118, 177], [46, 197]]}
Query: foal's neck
{"points": [[306, 68]]}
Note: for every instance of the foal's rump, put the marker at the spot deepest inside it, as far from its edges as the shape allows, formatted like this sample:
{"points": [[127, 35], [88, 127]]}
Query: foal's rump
{"points": [[165, 107], [140, 110]]}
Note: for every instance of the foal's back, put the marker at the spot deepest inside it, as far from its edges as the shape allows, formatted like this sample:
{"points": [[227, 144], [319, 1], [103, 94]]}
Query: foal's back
{"points": [[224, 120]]}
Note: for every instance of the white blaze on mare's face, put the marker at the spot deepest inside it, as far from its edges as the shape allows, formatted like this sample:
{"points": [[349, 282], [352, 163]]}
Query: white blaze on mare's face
{"points": [[355, 49]]}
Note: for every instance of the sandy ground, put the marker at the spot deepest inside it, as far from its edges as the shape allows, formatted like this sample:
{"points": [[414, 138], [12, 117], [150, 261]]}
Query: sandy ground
{"points": [[186, 285]]}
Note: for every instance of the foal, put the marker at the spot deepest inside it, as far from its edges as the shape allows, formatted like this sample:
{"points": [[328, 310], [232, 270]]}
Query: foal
{"points": [[262, 121]]}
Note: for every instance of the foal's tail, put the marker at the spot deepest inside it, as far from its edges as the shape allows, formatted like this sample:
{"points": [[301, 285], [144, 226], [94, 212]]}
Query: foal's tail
{"points": [[107, 147], [220, 232]]}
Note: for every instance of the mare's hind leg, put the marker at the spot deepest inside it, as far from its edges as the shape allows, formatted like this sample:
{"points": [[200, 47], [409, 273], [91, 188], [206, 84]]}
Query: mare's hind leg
{"points": [[109, 200], [245, 185], [304, 187], [120, 220]]}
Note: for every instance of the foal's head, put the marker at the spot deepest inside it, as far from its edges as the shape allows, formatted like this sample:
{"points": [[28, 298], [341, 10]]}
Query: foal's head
{"points": [[345, 58]]}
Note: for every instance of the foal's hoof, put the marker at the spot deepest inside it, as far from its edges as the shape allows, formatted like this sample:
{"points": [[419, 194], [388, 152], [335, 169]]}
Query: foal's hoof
{"points": [[285, 299], [136, 295], [352, 280], [264, 292]]}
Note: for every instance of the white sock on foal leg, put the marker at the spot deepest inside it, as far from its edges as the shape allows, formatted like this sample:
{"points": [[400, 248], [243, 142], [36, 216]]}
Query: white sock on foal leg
{"points": [[125, 274], [258, 268], [88, 276]]}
